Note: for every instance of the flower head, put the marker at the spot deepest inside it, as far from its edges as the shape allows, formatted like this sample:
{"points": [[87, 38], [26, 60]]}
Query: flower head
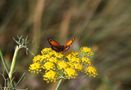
{"points": [[55, 65], [35, 67], [78, 66], [91, 71], [62, 65], [50, 76], [87, 50], [48, 66], [86, 60], [70, 73]]}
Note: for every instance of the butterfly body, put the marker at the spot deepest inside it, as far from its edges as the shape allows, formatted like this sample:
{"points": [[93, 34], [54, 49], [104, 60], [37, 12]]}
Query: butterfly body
{"points": [[60, 48]]}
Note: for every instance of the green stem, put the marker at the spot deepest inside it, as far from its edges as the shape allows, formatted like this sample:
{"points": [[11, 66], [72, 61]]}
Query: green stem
{"points": [[59, 82], [4, 64], [13, 62]]}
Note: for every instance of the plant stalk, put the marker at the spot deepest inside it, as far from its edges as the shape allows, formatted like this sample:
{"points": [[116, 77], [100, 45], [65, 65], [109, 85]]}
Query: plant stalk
{"points": [[13, 62], [58, 85]]}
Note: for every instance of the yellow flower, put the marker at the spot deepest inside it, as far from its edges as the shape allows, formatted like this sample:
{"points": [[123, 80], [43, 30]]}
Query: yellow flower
{"points": [[35, 67], [52, 53], [70, 73], [48, 66], [86, 60], [78, 66], [58, 55], [72, 58], [91, 71], [72, 53], [46, 50], [50, 76], [55, 65], [53, 59], [62, 65], [87, 50], [37, 58], [41, 58]]}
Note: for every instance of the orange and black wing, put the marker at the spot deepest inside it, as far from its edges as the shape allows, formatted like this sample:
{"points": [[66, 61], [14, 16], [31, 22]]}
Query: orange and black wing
{"points": [[60, 48], [55, 45], [68, 44], [53, 42]]}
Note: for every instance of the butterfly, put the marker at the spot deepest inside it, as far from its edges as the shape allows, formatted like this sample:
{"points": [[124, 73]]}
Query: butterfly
{"points": [[58, 47]]}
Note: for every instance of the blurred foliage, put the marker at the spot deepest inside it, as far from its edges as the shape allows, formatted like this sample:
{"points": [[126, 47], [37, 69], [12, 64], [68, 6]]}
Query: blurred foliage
{"points": [[103, 24]]}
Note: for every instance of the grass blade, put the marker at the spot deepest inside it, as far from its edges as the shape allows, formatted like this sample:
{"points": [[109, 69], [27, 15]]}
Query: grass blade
{"points": [[3, 62], [21, 78]]}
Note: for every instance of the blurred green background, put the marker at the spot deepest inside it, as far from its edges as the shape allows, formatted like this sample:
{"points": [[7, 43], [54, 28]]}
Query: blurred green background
{"points": [[104, 25]]}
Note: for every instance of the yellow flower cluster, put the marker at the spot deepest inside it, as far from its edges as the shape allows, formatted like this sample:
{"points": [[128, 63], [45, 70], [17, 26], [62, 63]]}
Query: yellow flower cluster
{"points": [[55, 65]]}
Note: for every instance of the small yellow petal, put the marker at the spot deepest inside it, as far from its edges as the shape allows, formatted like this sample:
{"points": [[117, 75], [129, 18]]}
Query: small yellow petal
{"points": [[70, 73], [62, 65], [48, 66], [50, 76], [86, 60], [91, 71], [87, 50], [35, 67]]}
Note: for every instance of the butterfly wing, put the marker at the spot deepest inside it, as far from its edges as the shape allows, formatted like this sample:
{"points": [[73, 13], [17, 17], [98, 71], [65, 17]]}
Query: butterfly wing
{"points": [[66, 48], [68, 44], [53, 42], [55, 45], [57, 49], [60, 48]]}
